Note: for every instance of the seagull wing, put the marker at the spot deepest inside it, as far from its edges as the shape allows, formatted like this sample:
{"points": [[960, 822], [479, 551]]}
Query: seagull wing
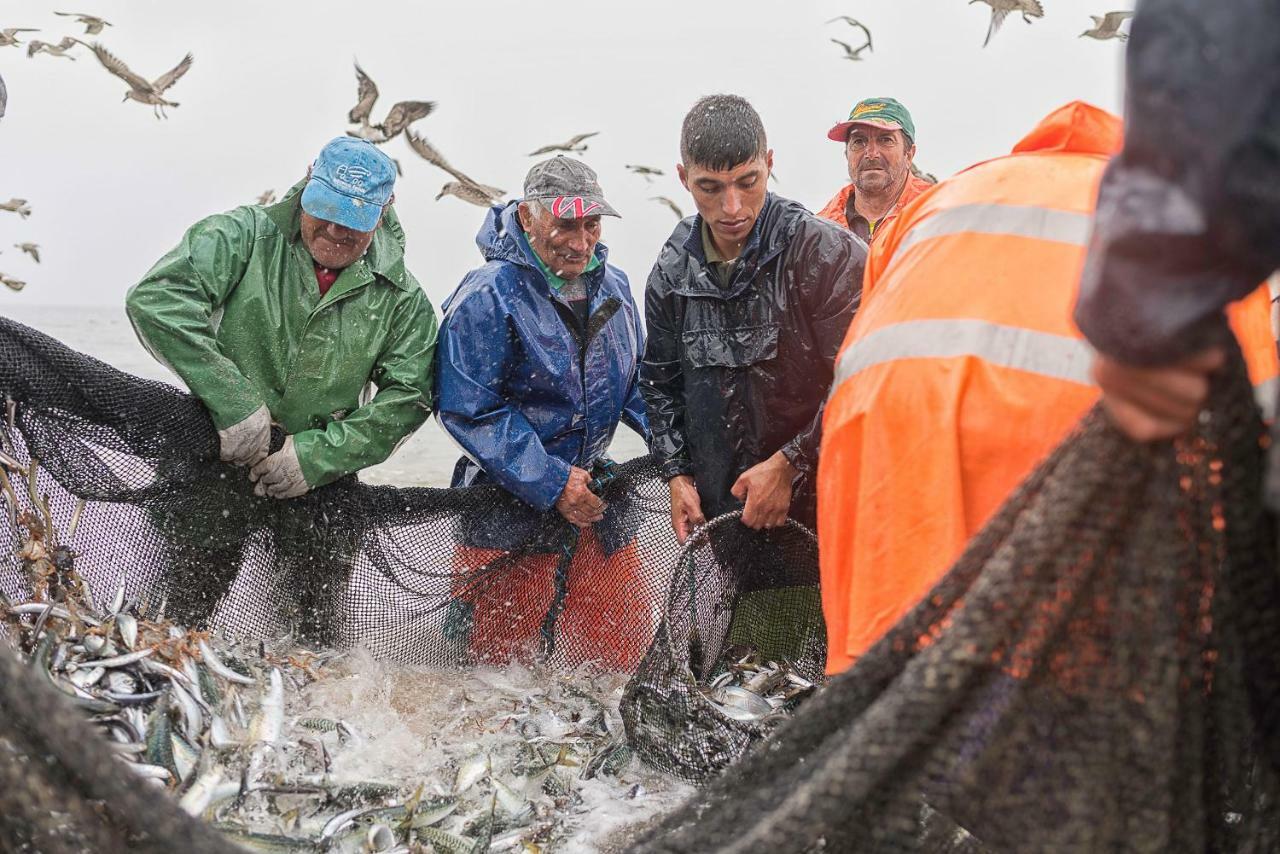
{"points": [[577, 140], [173, 75], [35, 252], [546, 149], [432, 155], [675, 209], [367, 94], [848, 48], [404, 114], [69, 42], [997, 18], [865, 31], [118, 68], [1113, 20], [11, 30], [1033, 8]]}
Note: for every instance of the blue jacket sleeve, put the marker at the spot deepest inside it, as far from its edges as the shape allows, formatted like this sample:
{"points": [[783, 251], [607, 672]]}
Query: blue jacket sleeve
{"points": [[474, 355], [1188, 214]]}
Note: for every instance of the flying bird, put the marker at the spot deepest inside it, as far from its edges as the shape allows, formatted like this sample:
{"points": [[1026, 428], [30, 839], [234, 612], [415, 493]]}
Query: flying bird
{"points": [[9, 37], [267, 198], [401, 115], [92, 24], [646, 171], [856, 24], [468, 193], [573, 146], [675, 209], [60, 49], [850, 53], [12, 284], [18, 206], [1108, 26], [1000, 10], [139, 89], [32, 249], [432, 155]]}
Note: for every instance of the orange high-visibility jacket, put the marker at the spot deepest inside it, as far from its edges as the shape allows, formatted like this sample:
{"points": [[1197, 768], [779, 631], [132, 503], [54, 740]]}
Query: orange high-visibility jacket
{"points": [[964, 369]]}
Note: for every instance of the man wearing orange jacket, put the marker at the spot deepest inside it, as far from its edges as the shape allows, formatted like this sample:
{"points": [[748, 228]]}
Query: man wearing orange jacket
{"points": [[879, 140], [964, 369]]}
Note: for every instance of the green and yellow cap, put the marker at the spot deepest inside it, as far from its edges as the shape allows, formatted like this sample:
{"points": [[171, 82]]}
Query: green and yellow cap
{"points": [[878, 112]]}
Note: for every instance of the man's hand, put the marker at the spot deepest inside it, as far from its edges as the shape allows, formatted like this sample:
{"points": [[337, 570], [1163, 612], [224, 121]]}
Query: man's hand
{"points": [[246, 443], [766, 488], [686, 506], [280, 475], [577, 503], [1150, 404]]}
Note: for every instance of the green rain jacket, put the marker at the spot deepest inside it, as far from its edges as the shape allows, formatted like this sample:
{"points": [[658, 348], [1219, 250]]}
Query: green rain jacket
{"points": [[235, 311]]}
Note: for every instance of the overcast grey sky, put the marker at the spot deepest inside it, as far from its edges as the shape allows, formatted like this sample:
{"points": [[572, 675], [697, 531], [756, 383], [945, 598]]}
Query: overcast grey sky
{"points": [[112, 188]]}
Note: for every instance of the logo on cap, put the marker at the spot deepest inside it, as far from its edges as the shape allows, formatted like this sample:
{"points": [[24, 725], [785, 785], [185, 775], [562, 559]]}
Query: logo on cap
{"points": [[352, 177], [861, 109], [560, 208]]}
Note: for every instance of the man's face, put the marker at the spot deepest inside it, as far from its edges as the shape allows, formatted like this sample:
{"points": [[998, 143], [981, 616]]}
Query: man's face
{"points": [[331, 245], [731, 200], [879, 159], [564, 245]]}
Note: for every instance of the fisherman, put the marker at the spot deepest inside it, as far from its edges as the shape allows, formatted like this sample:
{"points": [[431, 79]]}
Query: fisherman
{"points": [[538, 365], [963, 371], [286, 314], [746, 307], [879, 141]]}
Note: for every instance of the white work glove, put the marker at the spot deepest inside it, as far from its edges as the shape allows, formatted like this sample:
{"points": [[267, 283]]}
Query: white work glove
{"points": [[280, 475], [247, 442]]}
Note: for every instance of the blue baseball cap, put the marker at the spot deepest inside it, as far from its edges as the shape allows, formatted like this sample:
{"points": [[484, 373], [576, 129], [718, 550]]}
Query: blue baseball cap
{"points": [[351, 181]]}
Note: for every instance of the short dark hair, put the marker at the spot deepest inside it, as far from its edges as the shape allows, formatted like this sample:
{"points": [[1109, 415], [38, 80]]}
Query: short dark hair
{"points": [[721, 132]]}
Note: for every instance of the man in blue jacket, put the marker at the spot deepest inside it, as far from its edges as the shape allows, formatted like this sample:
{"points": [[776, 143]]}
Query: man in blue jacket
{"points": [[538, 357]]}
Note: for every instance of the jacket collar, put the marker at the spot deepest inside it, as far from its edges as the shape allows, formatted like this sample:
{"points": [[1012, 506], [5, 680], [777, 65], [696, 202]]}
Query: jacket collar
{"points": [[773, 230], [501, 238], [385, 257]]}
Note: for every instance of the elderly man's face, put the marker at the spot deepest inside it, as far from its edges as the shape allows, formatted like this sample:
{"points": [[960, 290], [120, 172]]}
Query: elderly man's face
{"points": [[331, 245], [879, 159], [564, 245]]}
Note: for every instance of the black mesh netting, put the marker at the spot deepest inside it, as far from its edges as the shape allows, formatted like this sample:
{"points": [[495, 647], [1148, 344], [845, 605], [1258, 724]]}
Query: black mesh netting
{"points": [[1097, 672], [125, 471]]}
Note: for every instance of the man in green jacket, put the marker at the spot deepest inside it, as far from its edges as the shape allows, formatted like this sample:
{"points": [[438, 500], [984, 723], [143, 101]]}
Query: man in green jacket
{"points": [[287, 313]]}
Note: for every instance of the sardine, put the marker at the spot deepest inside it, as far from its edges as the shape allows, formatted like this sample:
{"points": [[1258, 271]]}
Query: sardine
{"points": [[470, 772], [215, 664], [269, 719]]}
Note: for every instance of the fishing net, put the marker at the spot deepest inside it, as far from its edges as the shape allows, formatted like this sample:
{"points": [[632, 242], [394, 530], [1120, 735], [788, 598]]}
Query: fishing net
{"points": [[118, 478], [742, 643], [1097, 672]]}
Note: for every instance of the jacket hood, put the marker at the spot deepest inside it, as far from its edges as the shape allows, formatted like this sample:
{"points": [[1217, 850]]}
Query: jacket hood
{"points": [[386, 253], [1076, 127], [501, 238]]}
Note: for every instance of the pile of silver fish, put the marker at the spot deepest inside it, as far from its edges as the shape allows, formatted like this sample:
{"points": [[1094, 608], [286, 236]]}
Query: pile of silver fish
{"points": [[753, 689], [206, 718]]}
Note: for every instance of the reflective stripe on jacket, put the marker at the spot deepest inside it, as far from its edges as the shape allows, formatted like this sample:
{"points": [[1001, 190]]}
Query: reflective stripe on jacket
{"points": [[963, 370]]}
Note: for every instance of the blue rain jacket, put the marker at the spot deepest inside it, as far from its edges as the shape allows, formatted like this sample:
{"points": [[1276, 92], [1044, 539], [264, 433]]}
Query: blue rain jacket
{"points": [[525, 391]]}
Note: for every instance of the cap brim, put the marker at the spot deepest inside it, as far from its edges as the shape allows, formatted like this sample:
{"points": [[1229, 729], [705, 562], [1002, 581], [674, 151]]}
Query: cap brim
{"points": [[592, 206], [323, 202], [840, 133]]}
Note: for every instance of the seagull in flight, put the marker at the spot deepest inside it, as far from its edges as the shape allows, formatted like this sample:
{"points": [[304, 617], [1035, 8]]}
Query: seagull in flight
{"points": [[92, 24], [468, 193], [139, 89], [573, 146], [850, 53], [647, 172], [401, 115], [464, 187], [32, 249], [18, 206], [1108, 26], [12, 284], [675, 209], [60, 49], [1000, 10], [9, 37], [857, 25]]}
